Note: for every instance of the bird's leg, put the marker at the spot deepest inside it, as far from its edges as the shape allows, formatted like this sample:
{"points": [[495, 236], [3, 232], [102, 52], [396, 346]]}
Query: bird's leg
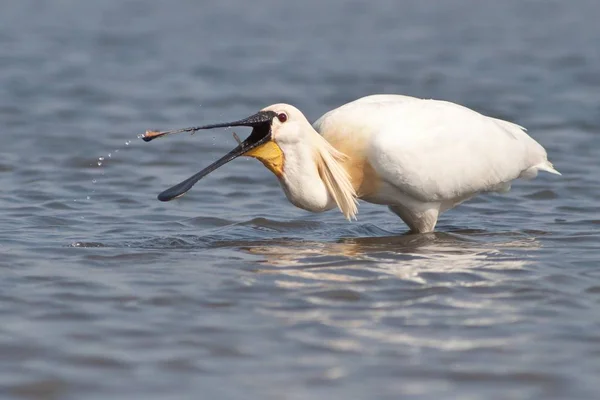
{"points": [[419, 219]]}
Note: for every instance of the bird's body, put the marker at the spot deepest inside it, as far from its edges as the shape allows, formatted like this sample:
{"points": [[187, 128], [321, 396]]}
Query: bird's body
{"points": [[418, 157], [423, 157]]}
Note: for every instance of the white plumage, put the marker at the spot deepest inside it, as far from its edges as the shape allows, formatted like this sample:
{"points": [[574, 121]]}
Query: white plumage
{"points": [[418, 157], [432, 155]]}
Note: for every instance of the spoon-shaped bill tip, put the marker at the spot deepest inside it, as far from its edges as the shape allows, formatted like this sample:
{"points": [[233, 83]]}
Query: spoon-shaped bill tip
{"points": [[259, 136], [149, 135]]}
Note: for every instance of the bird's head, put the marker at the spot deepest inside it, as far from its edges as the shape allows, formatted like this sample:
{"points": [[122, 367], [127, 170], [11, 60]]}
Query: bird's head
{"points": [[272, 127], [289, 126]]}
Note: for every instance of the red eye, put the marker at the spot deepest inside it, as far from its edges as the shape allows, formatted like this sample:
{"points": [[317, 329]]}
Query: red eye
{"points": [[282, 117]]}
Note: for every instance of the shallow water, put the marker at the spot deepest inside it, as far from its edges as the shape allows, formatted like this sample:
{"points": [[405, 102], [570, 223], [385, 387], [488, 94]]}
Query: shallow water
{"points": [[231, 292]]}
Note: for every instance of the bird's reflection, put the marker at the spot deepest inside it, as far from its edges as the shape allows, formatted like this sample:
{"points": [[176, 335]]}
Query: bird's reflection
{"points": [[390, 289], [405, 256]]}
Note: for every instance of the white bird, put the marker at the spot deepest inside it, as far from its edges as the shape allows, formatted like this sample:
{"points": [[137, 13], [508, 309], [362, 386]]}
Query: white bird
{"points": [[419, 157]]}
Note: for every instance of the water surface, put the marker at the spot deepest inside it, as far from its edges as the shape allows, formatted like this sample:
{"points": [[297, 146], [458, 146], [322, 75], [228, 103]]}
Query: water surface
{"points": [[231, 292]]}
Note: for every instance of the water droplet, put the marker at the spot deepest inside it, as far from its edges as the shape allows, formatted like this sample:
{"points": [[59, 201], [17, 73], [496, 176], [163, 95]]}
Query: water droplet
{"points": [[127, 142], [117, 150], [99, 163], [109, 155], [140, 136], [100, 158], [88, 197], [93, 181]]}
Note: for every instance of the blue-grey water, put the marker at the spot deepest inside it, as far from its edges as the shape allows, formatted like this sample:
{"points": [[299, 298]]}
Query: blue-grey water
{"points": [[232, 293]]}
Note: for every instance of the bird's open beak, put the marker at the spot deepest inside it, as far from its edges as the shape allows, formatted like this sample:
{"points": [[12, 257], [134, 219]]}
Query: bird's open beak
{"points": [[261, 135]]}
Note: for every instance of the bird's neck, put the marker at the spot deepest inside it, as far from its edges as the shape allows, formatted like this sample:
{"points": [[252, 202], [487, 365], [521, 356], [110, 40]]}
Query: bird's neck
{"points": [[314, 178]]}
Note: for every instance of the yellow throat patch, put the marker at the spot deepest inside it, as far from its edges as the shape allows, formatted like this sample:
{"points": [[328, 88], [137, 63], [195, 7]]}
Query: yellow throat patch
{"points": [[270, 155]]}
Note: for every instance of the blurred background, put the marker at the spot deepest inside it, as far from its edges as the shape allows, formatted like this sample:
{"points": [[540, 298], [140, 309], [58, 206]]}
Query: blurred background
{"points": [[231, 292]]}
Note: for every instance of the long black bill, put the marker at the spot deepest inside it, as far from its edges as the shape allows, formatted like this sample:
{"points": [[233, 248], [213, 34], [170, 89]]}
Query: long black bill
{"points": [[261, 122], [257, 119]]}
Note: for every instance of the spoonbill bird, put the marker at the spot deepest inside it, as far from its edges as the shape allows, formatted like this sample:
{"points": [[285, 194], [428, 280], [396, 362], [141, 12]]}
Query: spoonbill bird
{"points": [[419, 157]]}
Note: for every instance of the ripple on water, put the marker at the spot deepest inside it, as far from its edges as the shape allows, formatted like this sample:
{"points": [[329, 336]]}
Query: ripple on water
{"points": [[545, 194], [87, 244], [40, 388]]}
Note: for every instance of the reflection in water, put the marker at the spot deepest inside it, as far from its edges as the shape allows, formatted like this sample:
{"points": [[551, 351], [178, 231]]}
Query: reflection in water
{"points": [[404, 256], [399, 288]]}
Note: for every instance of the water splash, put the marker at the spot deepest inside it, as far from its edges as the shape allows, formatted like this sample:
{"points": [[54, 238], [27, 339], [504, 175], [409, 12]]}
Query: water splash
{"points": [[99, 169]]}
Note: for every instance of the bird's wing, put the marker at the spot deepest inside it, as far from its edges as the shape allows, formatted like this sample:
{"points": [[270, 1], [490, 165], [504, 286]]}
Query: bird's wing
{"points": [[435, 150]]}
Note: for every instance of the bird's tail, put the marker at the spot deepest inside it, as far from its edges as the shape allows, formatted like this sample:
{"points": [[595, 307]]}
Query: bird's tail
{"points": [[548, 167], [532, 172]]}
